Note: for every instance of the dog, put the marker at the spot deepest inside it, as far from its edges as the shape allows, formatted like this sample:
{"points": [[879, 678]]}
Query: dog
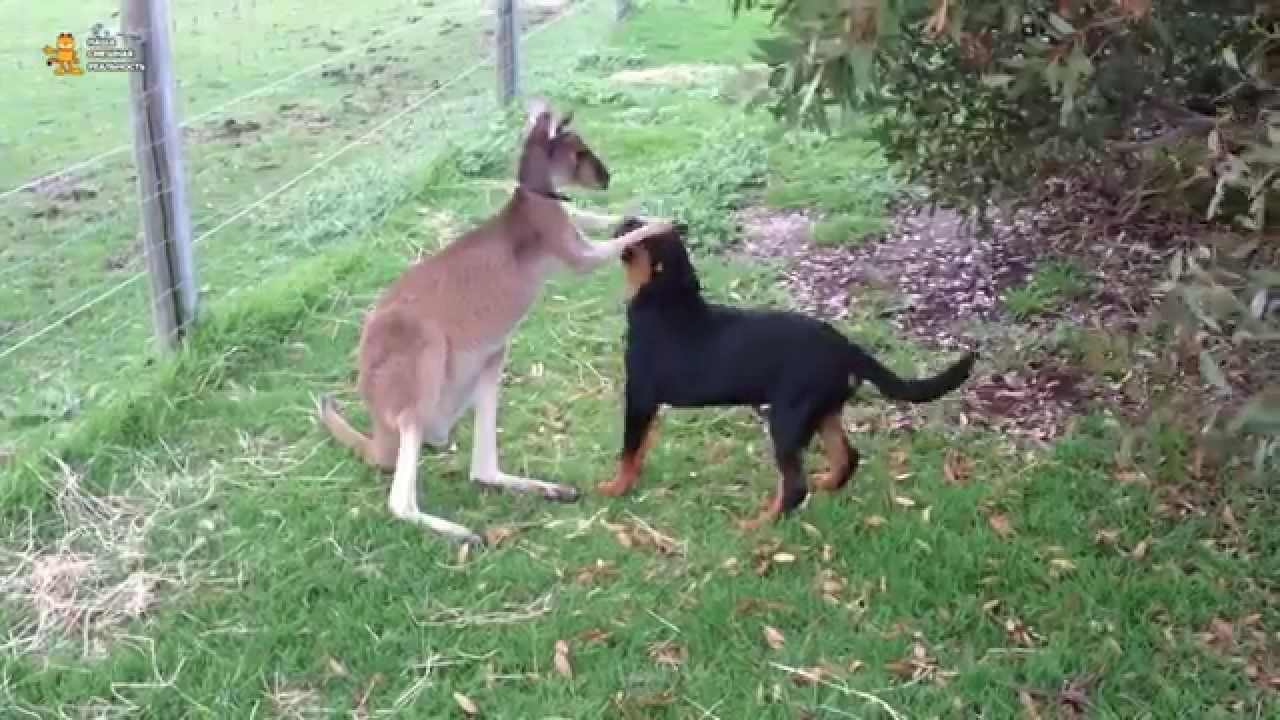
{"points": [[685, 351], [435, 343]]}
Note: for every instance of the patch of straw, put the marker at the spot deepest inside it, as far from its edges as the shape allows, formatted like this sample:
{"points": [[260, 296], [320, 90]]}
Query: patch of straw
{"points": [[508, 614], [294, 702], [85, 575]]}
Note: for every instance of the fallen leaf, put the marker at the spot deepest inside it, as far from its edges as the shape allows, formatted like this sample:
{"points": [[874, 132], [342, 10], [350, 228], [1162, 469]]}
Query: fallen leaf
{"points": [[898, 463], [497, 536], [1224, 633], [595, 636], [956, 468], [811, 676], [337, 668], [774, 637], [1130, 477], [592, 574], [903, 501], [1106, 537], [561, 659], [1061, 566], [1140, 550], [784, 557], [667, 653], [1229, 518], [874, 521], [752, 605], [467, 704], [1028, 705], [1001, 525]]}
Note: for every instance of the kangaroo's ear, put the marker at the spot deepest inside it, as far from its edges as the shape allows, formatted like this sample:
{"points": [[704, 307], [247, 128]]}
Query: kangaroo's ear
{"points": [[540, 117], [536, 106], [564, 122]]}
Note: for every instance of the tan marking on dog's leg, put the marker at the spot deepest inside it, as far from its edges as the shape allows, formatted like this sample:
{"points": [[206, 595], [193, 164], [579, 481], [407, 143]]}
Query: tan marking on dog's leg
{"points": [[629, 468], [772, 510], [841, 457], [485, 469], [403, 500]]}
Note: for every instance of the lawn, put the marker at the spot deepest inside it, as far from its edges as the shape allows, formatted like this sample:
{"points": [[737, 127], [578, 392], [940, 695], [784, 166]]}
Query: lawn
{"points": [[195, 546]]}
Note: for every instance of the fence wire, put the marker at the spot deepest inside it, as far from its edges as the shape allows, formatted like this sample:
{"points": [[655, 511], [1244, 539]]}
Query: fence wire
{"points": [[297, 131]]}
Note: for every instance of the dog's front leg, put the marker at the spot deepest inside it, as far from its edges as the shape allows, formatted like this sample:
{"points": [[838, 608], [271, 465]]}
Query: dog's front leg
{"points": [[484, 440], [639, 432]]}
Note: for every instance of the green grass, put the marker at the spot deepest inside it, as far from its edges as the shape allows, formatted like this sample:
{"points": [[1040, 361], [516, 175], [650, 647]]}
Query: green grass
{"points": [[845, 229], [1050, 287], [281, 587], [843, 178]]}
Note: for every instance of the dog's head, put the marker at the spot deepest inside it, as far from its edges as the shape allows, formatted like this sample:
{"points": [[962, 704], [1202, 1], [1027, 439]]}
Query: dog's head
{"points": [[550, 139], [660, 263]]}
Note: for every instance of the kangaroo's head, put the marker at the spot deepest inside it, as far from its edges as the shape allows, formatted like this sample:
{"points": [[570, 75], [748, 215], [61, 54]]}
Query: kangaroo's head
{"points": [[555, 154]]}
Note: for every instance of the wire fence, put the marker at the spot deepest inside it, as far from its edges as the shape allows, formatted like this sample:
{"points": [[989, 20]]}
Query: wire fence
{"points": [[297, 131]]}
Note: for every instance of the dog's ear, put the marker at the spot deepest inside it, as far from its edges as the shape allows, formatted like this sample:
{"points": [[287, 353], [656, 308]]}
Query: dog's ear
{"points": [[629, 223], [674, 271]]}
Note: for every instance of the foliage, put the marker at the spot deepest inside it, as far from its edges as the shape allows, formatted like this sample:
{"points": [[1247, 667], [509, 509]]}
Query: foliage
{"points": [[487, 153], [704, 187], [1169, 101]]}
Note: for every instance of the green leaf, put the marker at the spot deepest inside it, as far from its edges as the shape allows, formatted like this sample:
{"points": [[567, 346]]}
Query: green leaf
{"points": [[1211, 373], [1060, 24], [1260, 414]]}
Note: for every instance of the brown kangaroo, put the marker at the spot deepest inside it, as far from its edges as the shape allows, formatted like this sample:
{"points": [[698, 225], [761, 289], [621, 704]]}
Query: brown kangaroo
{"points": [[436, 342]]}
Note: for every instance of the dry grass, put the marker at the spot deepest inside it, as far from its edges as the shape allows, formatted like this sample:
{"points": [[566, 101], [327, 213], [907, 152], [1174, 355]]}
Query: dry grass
{"points": [[684, 74], [84, 577]]}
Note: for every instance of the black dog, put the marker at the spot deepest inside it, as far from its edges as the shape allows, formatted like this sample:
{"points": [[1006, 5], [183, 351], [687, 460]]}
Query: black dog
{"points": [[684, 351]]}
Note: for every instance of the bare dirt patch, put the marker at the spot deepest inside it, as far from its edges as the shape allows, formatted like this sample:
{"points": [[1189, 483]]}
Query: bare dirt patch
{"points": [[52, 197], [948, 283]]}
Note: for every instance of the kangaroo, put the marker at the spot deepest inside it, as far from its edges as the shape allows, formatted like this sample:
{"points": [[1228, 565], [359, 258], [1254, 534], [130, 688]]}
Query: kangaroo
{"points": [[436, 342]]}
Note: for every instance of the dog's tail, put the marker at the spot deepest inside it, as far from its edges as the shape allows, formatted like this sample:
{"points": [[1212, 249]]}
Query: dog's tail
{"points": [[862, 364], [340, 428]]}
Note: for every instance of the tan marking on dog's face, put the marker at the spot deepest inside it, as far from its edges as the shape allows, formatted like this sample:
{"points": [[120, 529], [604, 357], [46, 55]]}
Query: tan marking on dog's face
{"points": [[637, 268]]}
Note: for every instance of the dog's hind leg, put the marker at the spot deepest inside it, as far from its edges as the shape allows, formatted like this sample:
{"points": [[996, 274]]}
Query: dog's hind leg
{"points": [[790, 431], [842, 458], [640, 430], [484, 441]]}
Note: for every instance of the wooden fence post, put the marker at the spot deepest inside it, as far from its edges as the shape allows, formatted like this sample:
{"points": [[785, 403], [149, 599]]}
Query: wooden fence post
{"points": [[162, 188], [508, 63]]}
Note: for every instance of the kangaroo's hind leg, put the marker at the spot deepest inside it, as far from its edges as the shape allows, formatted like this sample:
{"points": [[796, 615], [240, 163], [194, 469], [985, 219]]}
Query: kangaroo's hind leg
{"points": [[425, 376], [484, 449]]}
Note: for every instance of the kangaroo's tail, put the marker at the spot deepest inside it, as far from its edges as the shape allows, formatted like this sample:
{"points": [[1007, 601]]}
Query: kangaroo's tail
{"points": [[862, 364], [340, 428]]}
